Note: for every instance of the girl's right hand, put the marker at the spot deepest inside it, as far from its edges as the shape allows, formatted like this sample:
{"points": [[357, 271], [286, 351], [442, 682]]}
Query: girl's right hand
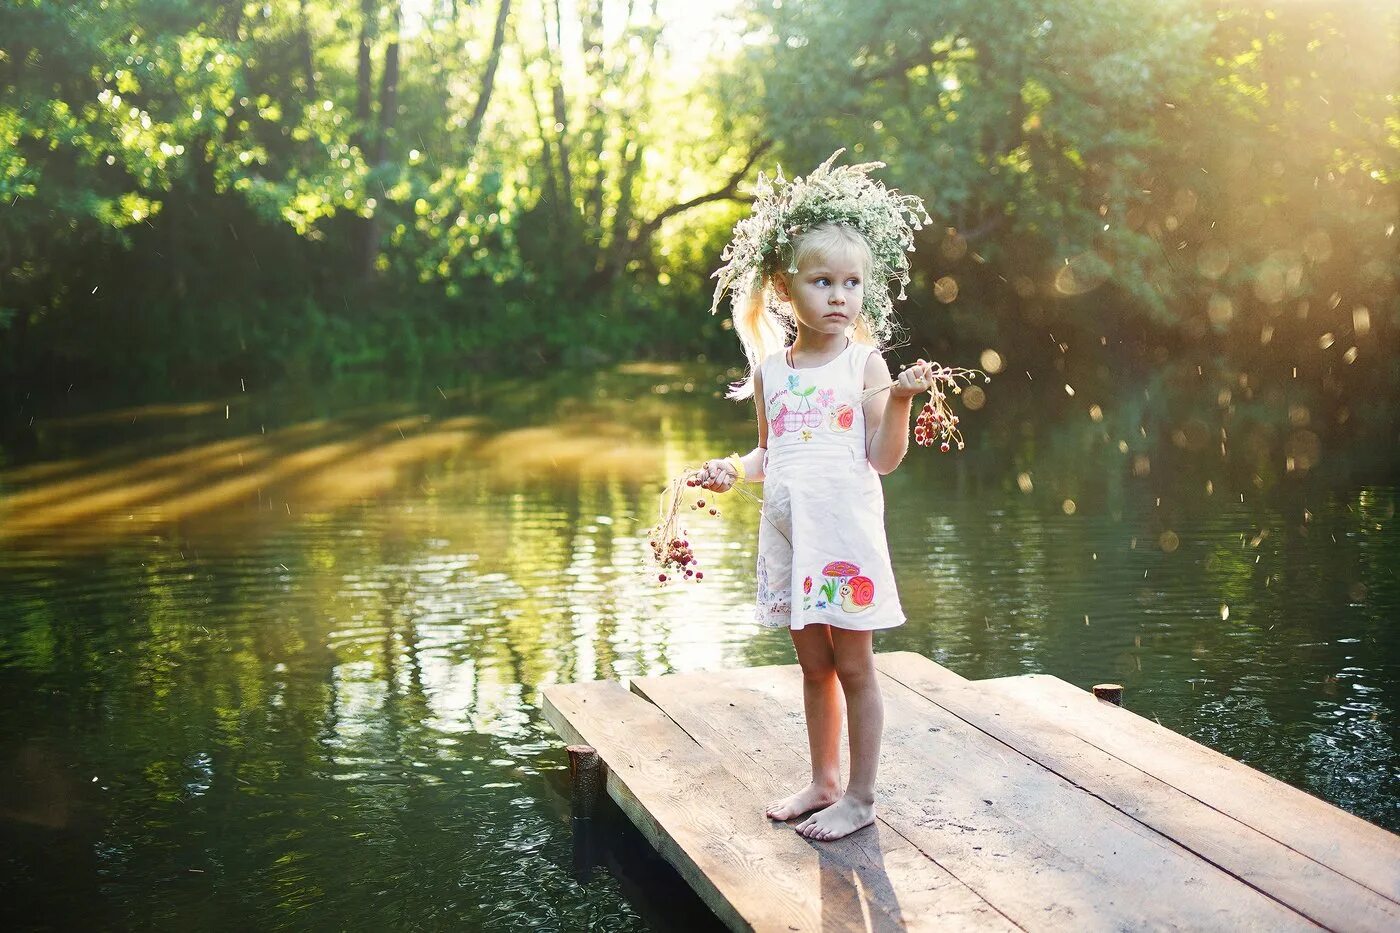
{"points": [[917, 378], [717, 475]]}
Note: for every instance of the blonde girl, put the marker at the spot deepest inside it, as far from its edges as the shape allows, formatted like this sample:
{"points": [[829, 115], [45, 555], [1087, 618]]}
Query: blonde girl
{"points": [[809, 274]]}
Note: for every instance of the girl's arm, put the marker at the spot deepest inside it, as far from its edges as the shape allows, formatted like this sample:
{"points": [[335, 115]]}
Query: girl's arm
{"points": [[719, 475], [887, 413]]}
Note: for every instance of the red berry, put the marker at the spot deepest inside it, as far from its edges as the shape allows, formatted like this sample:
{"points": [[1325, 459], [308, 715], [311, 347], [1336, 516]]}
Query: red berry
{"points": [[699, 575], [714, 511], [700, 503], [661, 577]]}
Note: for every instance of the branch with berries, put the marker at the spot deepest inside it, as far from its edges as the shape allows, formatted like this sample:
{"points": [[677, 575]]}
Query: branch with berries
{"points": [[672, 552], [936, 421], [671, 549]]}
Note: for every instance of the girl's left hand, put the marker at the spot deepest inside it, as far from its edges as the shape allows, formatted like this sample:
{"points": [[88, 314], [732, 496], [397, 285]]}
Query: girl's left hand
{"points": [[717, 475], [917, 378]]}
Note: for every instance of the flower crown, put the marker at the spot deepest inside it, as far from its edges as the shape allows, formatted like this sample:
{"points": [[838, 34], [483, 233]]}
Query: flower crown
{"points": [[763, 241]]}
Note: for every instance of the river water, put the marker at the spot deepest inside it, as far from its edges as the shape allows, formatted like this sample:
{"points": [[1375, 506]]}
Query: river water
{"points": [[274, 658]]}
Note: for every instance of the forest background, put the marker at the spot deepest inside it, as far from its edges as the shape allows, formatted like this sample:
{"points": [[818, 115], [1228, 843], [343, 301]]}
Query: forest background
{"points": [[199, 191]]}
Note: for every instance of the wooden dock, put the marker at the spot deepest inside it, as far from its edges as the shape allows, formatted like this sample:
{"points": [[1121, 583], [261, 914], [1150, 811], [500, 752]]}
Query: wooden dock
{"points": [[1004, 804]]}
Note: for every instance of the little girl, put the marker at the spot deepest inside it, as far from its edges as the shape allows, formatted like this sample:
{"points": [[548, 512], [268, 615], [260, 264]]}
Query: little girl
{"points": [[814, 261]]}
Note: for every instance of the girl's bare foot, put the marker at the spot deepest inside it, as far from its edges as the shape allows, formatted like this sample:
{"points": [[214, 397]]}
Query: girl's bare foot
{"points": [[842, 818], [812, 797]]}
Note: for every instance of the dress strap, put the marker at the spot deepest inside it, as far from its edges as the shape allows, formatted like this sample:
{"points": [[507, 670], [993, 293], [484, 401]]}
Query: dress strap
{"points": [[859, 359]]}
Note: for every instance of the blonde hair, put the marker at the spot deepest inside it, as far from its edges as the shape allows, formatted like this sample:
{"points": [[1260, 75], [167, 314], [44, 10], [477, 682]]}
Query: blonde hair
{"points": [[764, 322]]}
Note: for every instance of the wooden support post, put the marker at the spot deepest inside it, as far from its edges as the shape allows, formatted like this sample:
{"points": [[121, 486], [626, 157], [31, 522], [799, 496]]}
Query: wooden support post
{"points": [[1113, 693], [585, 779], [585, 784]]}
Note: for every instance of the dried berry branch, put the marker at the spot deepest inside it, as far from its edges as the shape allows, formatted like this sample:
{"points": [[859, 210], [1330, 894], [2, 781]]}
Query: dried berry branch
{"points": [[672, 551], [936, 420]]}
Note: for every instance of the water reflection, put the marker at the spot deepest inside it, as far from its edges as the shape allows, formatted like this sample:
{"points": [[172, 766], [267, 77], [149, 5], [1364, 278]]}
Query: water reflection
{"points": [[280, 661]]}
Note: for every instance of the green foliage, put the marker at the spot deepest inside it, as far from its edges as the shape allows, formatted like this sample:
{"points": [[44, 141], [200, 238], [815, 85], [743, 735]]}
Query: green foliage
{"points": [[192, 186], [1160, 155]]}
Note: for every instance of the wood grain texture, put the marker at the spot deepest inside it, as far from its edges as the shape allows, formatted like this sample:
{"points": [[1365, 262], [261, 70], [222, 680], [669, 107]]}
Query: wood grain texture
{"points": [[1343, 842], [1312, 889], [753, 874], [1045, 854], [899, 887], [1010, 803]]}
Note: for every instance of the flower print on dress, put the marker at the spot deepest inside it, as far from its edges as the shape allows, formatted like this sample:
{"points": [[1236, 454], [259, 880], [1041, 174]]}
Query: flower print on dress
{"points": [[825, 397]]}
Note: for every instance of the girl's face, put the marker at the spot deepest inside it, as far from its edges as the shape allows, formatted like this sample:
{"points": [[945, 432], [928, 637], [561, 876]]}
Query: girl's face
{"points": [[826, 294]]}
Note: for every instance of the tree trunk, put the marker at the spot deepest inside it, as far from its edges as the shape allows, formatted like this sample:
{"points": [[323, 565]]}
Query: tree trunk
{"points": [[594, 137], [551, 190], [364, 72], [632, 154], [623, 254], [388, 87], [488, 80], [626, 194], [552, 49], [388, 111], [308, 60], [235, 20]]}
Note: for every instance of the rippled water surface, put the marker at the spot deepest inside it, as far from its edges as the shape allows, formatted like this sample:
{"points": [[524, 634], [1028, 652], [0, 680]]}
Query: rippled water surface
{"points": [[278, 663]]}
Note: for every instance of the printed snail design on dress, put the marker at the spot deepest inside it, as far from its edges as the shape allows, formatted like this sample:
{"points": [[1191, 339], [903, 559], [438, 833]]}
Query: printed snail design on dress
{"points": [[843, 588]]}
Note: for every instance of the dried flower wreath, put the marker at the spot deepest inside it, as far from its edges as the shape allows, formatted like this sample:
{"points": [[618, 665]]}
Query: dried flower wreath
{"points": [[763, 241]]}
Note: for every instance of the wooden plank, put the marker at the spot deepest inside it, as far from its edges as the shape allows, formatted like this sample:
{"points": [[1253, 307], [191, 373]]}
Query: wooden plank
{"points": [[752, 874], [1314, 890], [1342, 841], [1045, 854], [902, 888]]}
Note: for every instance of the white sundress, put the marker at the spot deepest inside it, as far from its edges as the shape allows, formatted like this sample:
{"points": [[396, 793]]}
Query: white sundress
{"points": [[822, 552]]}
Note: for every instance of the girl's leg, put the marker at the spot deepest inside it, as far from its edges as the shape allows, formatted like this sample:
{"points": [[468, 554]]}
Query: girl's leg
{"points": [[821, 698], [855, 667]]}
